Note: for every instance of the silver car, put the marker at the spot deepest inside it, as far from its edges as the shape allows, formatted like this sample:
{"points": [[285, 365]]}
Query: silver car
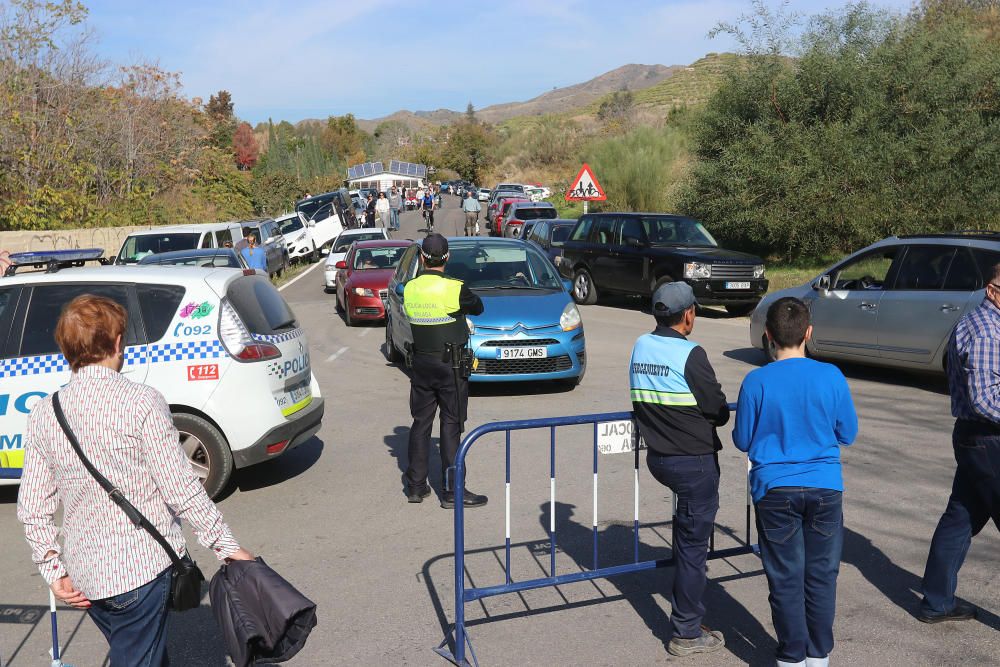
{"points": [[895, 302]]}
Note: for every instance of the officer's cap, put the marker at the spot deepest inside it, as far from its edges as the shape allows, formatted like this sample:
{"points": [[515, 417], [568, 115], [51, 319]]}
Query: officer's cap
{"points": [[434, 246]]}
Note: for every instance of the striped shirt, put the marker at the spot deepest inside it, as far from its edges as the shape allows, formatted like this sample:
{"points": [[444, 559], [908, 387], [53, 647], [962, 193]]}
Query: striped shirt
{"points": [[974, 365], [126, 431]]}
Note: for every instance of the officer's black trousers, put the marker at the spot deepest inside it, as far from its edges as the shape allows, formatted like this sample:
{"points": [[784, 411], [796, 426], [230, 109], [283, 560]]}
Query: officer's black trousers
{"points": [[432, 387]]}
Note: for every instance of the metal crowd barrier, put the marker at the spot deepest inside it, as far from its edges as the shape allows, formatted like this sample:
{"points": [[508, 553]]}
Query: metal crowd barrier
{"points": [[464, 595]]}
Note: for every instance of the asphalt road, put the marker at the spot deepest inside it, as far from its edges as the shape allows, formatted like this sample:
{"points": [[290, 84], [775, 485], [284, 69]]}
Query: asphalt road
{"points": [[331, 517]]}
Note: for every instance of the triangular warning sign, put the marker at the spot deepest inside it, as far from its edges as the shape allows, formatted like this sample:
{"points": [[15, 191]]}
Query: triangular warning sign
{"points": [[585, 187]]}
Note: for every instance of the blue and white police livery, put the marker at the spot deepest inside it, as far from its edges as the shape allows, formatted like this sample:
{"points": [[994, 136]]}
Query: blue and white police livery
{"points": [[222, 346], [656, 371]]}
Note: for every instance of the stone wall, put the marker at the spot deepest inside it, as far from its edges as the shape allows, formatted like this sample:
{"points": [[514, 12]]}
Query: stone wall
{"points": [[109, 238]]}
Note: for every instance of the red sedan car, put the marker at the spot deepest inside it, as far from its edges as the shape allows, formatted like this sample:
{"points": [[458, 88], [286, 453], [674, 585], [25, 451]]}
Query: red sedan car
{"points": [[504, 206], [363, 278]]}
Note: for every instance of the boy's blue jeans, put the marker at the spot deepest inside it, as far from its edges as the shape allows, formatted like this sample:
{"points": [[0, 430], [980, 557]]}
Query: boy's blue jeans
{"points": [[801, 533]]}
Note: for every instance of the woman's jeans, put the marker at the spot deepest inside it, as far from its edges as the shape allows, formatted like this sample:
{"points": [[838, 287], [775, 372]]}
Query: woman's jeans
{"points": [[135, 623], [695, 483], [801, 532]]}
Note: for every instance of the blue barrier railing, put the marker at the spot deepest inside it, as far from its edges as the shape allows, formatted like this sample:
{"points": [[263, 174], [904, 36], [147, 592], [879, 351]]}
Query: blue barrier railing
{"points": [[465, 595]]}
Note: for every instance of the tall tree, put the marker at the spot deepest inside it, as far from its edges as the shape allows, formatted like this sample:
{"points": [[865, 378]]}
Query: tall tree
{"points": [[343, 139], [222, 121], [245, 147]]}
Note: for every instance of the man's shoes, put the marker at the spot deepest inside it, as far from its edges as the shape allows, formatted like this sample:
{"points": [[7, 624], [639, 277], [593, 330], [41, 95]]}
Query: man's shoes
{"points": [[469, 499], [710, 640], [416, 494], [961, 612]]}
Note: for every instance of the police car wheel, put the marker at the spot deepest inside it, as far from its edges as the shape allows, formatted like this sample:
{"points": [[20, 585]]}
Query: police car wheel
{"points": [[206, 450]]}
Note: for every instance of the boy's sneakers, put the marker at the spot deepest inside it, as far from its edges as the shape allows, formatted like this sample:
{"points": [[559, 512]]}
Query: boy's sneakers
{"points": [[961, 612], [710, 640]]}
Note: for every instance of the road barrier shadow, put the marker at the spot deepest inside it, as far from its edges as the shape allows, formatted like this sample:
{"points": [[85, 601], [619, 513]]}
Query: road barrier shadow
{"points": [[746, 638]]}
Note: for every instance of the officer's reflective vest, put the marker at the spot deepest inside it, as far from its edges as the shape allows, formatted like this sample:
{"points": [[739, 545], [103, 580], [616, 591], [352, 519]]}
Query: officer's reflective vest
{"points": [[431, 302], [656, 373]]}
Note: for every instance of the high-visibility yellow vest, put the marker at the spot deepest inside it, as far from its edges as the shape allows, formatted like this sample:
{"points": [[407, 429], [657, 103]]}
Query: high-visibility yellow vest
{"points": [[431, 302]]}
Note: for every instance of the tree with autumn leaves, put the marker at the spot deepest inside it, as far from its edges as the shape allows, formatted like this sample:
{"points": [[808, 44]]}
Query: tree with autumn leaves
{"points": [[245, 147]]}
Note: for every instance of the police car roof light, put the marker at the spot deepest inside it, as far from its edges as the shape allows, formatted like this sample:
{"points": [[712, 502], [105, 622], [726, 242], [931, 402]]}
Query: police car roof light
{"points": [[53, 260]]}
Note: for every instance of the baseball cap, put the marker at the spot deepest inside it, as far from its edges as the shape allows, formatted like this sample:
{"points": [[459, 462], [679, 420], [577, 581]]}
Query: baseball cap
{"points": [[434, 245], [673, 298]]}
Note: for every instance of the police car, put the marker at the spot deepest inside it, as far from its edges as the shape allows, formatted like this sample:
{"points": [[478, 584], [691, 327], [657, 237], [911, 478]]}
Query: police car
{"points": [[221, 345]]}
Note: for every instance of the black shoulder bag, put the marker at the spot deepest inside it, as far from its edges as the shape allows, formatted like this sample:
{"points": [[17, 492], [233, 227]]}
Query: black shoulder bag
{"points": [[186, 578]]}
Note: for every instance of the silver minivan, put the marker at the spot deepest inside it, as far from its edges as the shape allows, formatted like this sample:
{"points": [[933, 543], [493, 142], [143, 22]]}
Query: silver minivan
{"points": [[895, 302]]}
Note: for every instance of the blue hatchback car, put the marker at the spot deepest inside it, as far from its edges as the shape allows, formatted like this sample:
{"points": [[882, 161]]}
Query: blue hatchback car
{"points": [[530, 328]]}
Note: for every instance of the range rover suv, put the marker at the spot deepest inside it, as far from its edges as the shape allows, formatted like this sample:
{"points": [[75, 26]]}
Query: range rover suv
{"points": [[634, 253]]}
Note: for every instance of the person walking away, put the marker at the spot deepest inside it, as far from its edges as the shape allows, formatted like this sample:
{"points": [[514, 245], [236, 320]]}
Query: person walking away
{"points": [[427, 205], [107, 566], [382, 210], [472, 207], [254, 255], [395, 204], [973, 363], [678, 404], [370, 211], [436, 306], [792, 418]]}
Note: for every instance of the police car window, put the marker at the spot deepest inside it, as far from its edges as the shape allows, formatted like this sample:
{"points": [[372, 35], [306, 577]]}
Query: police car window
{"points": [[158, 305], [47, 303], [260, 306]]}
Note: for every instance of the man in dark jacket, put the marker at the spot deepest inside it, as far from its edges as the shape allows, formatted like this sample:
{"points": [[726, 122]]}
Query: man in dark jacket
{"points": [[678, 404], [370, 211]]}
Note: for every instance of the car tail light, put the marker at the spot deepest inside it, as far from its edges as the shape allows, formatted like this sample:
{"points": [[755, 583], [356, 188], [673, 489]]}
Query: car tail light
{"points": [[277, 447], [237, 339]]}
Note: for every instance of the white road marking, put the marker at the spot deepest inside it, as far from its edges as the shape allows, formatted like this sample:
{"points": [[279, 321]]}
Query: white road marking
{"points": [[336, 354], [364, 333], [301, 275]]}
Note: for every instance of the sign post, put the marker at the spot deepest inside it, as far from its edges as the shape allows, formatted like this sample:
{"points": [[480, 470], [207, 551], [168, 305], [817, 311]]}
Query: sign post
{"points": [[585, 188]]}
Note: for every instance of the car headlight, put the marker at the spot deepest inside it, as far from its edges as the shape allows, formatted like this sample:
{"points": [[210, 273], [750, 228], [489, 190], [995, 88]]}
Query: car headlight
{"points": [[363, 291], [470, 325], [570, 318], [758, 271], [697, 270]]}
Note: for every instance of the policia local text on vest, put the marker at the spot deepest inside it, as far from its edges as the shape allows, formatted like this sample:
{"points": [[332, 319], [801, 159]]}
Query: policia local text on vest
{"points": [[436, 306]]}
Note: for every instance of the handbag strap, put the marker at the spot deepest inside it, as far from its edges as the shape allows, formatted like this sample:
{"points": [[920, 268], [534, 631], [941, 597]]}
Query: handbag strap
{"points": [[134, 515]]}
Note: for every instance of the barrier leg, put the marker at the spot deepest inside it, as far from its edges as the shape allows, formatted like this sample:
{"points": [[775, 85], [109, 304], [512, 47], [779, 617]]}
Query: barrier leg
{"points": [[507, 511], [595, 496], [552, 501]]}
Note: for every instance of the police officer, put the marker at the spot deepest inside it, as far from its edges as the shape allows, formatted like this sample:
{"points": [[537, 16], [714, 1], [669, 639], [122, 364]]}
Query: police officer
{"points": [[436, 306]]}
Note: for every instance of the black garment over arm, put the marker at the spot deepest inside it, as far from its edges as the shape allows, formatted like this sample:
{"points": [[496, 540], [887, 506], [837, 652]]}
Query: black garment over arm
{"points": [[706, 389], [469, 302]]}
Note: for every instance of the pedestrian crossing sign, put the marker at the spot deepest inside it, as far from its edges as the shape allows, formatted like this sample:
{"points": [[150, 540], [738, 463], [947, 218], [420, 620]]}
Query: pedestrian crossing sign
{"points": [[585, 187]]}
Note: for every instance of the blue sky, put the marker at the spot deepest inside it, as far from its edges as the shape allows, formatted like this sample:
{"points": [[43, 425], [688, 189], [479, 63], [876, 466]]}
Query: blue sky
{"points": [[313, 58]]}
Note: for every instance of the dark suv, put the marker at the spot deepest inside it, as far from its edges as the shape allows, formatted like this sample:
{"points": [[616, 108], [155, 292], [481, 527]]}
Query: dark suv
{"points": [[634, 253]]}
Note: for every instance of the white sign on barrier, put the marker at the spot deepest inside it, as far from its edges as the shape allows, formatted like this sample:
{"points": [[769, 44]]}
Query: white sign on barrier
{"points": [[616, 437]]}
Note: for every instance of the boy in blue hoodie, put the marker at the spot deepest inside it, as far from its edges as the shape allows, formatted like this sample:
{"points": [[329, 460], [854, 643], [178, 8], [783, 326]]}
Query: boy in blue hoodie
{"points": [[792, 418]]}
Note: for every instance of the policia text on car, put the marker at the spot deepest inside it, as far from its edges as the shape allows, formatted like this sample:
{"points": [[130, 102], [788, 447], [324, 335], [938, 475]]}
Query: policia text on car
{"points": [[436, 306]]}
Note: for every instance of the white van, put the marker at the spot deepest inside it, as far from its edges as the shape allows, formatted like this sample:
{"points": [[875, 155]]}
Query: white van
{"points": [[306, 238], [177, 237], [221, 345]]}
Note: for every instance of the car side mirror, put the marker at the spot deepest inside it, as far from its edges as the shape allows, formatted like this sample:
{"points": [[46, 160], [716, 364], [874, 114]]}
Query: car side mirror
{"points": [[400, 288], [340, 265], [822, 284], [324, 251]]}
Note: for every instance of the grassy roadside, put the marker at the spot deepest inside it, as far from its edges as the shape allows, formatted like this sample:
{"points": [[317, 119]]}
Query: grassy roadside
{"points": [[294, 270], [783, 276]]}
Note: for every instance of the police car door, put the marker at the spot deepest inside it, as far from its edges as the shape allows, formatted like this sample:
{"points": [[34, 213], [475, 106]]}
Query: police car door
{"points": [[33, 366]]}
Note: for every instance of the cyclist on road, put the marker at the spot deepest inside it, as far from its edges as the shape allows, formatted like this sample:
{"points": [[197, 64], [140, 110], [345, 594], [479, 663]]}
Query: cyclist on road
{"points": [[427, 206]]}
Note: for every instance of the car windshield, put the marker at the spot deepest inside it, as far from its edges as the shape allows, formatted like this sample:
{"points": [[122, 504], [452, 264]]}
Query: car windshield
{"points": [[501, 266], [561, 233], [540, 213], [676, 231], [343, 243], [291, 225], [137, 247], [377, 258]]}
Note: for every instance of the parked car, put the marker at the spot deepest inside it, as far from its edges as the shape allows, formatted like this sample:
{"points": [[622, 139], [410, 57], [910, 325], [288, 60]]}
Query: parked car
{"points": [[363, 278], [512, 187], [530, 329], [495, 197], [549, 235], [895, 302], [483, 194], [298, 237], [145, 242], [269, 238], [331, 212], [634, 253], [341, 245], [521, 212], [224, 349], [500, 214], [219, 258]]}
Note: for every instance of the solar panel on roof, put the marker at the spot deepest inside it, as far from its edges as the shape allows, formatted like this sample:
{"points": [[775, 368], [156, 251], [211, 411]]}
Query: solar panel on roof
{"points": [[377, 167]]}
